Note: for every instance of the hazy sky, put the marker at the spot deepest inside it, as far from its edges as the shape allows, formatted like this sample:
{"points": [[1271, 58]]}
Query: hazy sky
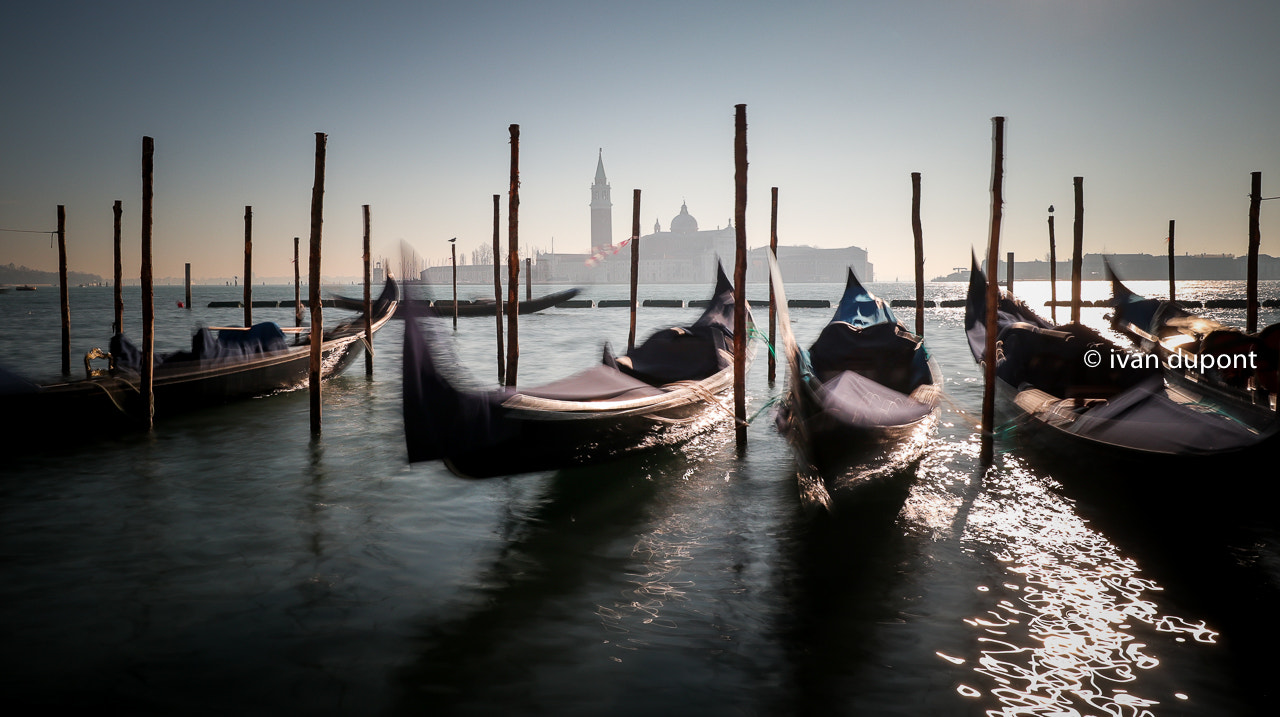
{"points": [[1163, 106]]}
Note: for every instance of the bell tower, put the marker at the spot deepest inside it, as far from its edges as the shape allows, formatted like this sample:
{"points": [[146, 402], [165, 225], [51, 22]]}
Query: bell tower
{"points": [[601, 209]]}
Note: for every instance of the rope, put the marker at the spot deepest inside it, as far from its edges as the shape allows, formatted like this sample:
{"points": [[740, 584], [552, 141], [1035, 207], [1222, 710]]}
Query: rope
{"points": [[767, 404], [753, 332]]}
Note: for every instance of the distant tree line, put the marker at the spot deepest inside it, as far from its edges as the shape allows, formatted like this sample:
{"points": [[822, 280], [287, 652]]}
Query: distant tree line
{"points": [[22, 275]]}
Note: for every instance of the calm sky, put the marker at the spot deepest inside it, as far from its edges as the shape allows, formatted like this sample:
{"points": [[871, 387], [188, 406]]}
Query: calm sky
{"points": [[1163, 106]]}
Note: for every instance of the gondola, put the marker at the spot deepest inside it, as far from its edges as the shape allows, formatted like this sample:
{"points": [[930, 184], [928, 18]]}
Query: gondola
{"points": [[220, 367], [865, 396], [1243, 368], [1070, 390], [478, 307], [486, 307], [662, 392]]}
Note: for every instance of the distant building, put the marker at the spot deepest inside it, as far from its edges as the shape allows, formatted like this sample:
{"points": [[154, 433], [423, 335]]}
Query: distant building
{"points": [[1138, 267], [683, 254]]}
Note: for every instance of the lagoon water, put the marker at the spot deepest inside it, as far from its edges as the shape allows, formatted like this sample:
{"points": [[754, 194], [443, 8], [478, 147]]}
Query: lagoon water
{"points": [[230, 563]]}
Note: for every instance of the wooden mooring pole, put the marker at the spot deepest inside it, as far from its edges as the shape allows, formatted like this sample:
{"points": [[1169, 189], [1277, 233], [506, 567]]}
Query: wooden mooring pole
{"points": [[64, 297], [147, 378], [453, 262], [528, 278], [1053, 272], [313, 293], [987, 451], [297, 285], [497, 289], [117, 323], [368, 297], [773, 310], [740, 276], [1171, 255], [1255, 240], [187, 286], [513, 258], [1077, 248], [248, 266], [1008, 272], [635, 266], [917, 232]]}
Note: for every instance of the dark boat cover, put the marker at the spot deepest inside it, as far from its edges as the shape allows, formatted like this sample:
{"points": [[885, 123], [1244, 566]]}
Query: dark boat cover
{"points": [[1009, 310]]}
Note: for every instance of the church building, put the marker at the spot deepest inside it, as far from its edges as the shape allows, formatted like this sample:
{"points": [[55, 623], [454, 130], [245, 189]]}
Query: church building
{"points": [[684, 253]]}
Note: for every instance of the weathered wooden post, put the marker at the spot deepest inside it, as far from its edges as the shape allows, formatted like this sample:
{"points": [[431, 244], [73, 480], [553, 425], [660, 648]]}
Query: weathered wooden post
{"points": [[313, 266], [1077, 249], [513, 259], [740, 276], [918, 233], [187, 284], [453, 262], [773, 310], [297, 285], [497, 290], [1053, 271], [64, 297], [117, 325], [1255, 239], [248, 266], [528, 278], [368, 299], [147, 379], [635, 266], [1008, 272], [986, 454], [1171, 255]]}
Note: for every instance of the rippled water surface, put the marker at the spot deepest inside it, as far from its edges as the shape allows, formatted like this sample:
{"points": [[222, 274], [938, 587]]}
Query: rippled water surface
{"points": [[230, 563]]}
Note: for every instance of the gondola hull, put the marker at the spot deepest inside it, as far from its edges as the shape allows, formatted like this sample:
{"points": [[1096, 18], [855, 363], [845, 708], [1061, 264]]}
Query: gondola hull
{"points": [[540, 436], [828, 441], [666, 391], [111, 401], [1069, 391]]}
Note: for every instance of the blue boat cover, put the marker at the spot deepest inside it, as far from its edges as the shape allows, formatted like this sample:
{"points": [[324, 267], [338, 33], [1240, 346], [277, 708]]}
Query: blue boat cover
{"points": [[228, 346]]}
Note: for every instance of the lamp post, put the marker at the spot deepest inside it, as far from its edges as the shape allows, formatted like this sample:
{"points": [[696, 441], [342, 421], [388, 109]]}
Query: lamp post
{"points": [[453, 258]]}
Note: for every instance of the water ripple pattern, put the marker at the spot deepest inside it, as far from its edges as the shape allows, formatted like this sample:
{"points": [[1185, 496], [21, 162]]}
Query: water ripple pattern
{"points": [[1074, 634]]}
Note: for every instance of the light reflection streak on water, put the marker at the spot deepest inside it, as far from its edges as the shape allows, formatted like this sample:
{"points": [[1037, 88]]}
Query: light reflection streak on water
{"points": [[1065, 639], [660, 557]]}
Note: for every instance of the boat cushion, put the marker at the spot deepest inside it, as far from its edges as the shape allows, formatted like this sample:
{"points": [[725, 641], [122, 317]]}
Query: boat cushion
{"points": [[856, 400], [598, 383]]}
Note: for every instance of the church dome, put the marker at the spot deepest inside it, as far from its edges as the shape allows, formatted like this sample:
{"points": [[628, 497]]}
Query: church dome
{"points": [[684, 223]]}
